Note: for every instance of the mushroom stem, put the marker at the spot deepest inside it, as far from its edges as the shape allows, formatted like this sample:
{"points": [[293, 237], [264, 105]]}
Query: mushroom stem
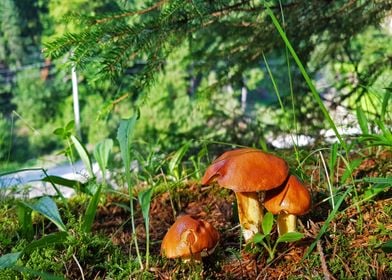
{"points": [[286, 223], [250, 213]]}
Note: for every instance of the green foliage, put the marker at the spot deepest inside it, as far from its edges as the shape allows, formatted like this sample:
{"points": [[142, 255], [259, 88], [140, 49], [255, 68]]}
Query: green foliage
{"points": [[84, 156], [11, 45], [25, 221], [145, 201], [101, 154], [124, 136], [48, 208], [265, 238], [5, 138], [9, 260]]}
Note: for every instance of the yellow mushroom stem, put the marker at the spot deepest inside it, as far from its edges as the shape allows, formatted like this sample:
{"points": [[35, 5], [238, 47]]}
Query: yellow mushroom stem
{"points": [[250, 213], [286, 223]]}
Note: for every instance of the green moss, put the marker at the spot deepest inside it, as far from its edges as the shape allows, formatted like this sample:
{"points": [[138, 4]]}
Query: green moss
{"points": [[8, 225], [46, 259], [9, 274]]}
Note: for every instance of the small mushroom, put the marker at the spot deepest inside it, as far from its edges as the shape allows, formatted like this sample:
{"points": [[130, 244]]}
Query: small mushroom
{"points": [[288, 201], [189, 238], [246, 172]]}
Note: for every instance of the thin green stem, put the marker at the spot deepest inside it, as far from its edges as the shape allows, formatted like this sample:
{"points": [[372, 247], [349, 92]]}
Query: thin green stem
{"points": [[273, 83], [147, 242], [295, 142], [134, 236], [308, 80]]}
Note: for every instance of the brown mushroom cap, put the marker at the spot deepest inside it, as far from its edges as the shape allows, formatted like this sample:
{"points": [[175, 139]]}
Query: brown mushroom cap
{"points": [[247, 170], [292, 198], [189, 237]]}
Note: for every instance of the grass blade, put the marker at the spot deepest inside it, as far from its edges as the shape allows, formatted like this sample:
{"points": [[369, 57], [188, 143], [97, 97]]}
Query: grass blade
{"points": [[25, 221], [73, 184], [327, 222], [89, 215], [83, 155], [362, 120], [101, 154], [385, 101], [309, 82], [176, 159]]}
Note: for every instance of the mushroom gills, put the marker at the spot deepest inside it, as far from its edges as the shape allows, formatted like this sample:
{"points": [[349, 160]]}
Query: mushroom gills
{"points": [[286, 223], [250, 213]]}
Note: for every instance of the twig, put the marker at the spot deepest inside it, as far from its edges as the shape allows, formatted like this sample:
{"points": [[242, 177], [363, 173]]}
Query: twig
{"points": [[78, 264], [328, 180], [327, 274]]}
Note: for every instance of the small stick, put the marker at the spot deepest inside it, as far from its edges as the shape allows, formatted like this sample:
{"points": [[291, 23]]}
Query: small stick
{"points": [[78, 264], [327, 274]]}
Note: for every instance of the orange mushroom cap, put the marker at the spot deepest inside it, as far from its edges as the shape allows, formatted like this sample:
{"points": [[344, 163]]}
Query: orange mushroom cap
{"points": [[189, 237], [247, 170], [292, 198]]}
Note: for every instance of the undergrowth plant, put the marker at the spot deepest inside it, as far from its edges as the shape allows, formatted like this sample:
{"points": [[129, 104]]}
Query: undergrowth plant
{"points": [[124, 137], [265, 239]]}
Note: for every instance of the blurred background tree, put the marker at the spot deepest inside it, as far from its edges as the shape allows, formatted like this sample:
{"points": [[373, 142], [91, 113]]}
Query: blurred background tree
{"points": [[187, 65]]}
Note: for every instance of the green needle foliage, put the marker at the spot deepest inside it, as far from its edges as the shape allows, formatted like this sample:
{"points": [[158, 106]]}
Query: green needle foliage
{"points": [[226, 37]]}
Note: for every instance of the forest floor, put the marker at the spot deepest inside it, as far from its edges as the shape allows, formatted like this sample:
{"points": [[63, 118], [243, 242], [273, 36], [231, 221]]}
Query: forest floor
{"points": [[349, 249]]}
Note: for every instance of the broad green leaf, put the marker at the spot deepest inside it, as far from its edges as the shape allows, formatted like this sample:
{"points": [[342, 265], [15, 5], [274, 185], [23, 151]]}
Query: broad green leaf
{"points": [[290, 237], [362, 120], [124, 137], [70, 125], [59, 131], [258, 237], [48, 208], [83, 155], [89, 216], [20, 170], [49, 239], [9, 260], [101, 154], [145, 200], [266, 224]]}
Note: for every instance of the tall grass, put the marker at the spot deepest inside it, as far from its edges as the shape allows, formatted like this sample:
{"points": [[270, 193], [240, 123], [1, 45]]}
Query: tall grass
{"points": [[335, 198]]}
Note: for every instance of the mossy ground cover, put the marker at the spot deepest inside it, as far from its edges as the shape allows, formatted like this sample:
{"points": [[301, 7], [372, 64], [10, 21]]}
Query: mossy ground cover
{"points": [[350, 248]]}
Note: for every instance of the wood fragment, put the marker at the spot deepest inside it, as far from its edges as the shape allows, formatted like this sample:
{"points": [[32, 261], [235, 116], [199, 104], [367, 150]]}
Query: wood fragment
{"points": [[327, 274]]}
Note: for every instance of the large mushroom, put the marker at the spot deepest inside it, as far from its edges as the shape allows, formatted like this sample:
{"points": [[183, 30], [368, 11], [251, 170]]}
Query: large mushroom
{"points": [[189, 238], [246, 172], [288, 201]]}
